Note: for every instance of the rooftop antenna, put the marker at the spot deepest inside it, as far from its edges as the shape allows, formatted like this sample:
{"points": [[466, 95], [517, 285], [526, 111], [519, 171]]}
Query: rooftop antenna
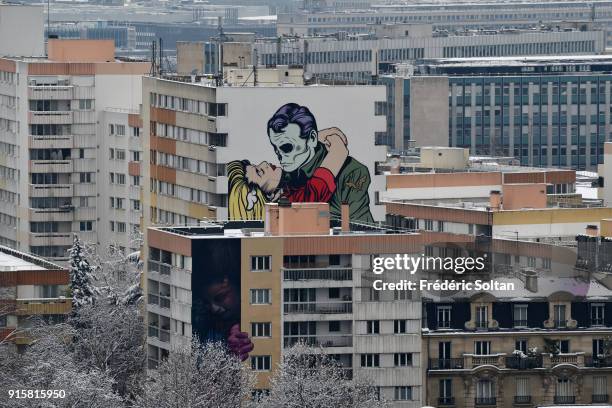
{"points": [[153, 69], [48, 19]]}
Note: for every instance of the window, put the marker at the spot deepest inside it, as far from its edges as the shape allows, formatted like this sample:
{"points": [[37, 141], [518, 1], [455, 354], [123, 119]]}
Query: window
{"points": [[260, 296], [334, 293], [564, 391], [260, 363], [485, 391], [482, 317], [520, 315], [261, 329], [600, 388], [597, 314], [85, 177], [522, 387], [370, 360], [440, 226], [2, 321], [260, 263], [482, 348], [85, 104], [402, 295], [402, 359], [446, 391], [333, 326], [559, 316], [86, 225], [403, 393], [399, 327], [372, 326], [531, 261], [563, 346], [444, 317], [121, 227], [429, 225]]}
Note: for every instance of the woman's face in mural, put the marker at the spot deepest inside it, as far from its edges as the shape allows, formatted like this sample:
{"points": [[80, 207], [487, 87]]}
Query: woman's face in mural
{"points": [[267, 176], [224, 299]]}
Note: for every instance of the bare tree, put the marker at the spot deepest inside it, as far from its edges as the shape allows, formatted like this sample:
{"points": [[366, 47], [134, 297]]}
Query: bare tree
{"points": [[198, 376], [309, 378]]}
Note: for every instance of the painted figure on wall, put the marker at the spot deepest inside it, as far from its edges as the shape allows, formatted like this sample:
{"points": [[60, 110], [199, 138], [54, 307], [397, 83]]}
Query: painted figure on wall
{"points": [[314, 167]]}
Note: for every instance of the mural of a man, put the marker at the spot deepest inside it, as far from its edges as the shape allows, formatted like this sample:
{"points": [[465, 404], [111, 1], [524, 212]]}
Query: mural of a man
{"points": [[293, 133]]}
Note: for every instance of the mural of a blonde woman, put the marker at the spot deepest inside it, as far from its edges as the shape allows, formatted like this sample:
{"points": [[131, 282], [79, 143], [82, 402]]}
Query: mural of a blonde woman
{"points": [[246, 201]]}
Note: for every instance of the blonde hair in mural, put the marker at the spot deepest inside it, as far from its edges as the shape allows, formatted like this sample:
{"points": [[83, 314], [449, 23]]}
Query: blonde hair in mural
{"points": [[246, 201]]}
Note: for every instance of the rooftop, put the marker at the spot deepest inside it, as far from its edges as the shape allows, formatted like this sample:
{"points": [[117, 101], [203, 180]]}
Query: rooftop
{"points": [[13, 260]]}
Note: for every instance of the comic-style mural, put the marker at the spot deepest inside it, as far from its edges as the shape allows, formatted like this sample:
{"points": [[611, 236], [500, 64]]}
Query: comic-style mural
{"points": [[314, 165]]}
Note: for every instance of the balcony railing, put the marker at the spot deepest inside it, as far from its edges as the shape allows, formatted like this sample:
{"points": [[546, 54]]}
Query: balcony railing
{"points": [[153, 299], [446, 401], [446, 363], [520, 323], [523, 363], [159, 267], [565, 399], [560, 324], [564, 359], [595, 361], [480, 401], [337, 274], [522, 399], [482, 324], [496, 360], [320, 341], [597, 322], [318, 307], [164, 302], [599, 398]]}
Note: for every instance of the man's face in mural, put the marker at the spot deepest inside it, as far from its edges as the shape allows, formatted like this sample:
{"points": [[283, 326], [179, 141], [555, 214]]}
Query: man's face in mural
{"points": [[223, 299], [292, 149], [267, 176]]}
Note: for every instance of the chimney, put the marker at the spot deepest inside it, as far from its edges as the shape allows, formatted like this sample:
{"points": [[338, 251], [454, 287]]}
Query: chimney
{"points": [[345, 217], [495, 200], [271, 221], [531, 280], [592, 230]]}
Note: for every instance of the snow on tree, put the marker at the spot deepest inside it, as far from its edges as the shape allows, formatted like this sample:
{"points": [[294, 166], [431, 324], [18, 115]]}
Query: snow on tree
{"points": [[110, 338], [81, 276], [198, 376], [308, 378], [49, 364]]}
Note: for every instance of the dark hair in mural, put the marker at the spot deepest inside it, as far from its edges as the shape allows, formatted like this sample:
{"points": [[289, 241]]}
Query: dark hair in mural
{"points": [[293, 113]]}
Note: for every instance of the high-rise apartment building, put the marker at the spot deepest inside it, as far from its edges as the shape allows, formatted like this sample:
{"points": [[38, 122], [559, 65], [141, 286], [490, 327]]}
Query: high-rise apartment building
{"points": [[56, 132], [193, 130], [294, 279]]}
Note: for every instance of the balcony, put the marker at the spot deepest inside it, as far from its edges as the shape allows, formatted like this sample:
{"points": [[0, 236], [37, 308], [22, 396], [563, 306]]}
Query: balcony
{"points": [[318, 307], [320, 341], [333, 274], [576, 359], [50, 117], [446, 401], [161, 268], [152, 299], [598, 361], [520, 323], [524, 363], [51, 190], [43, 306], [485, 401], [51, 142], [57, 92], [51, 238], [51, 166], [52, 214], [522, 400], [446, 364], [600, 398], [473, 360], [564, 399]]}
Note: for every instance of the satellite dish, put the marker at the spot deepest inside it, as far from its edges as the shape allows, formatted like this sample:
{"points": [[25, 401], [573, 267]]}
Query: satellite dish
{"points": [[307, 76]]}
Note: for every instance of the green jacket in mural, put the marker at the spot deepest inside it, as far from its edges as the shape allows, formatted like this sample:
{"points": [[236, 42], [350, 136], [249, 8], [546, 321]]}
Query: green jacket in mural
{"points": [[352, 184]]}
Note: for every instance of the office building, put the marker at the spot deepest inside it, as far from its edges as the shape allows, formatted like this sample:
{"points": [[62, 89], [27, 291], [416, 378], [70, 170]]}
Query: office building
{"points": [[56, 131], [30, 286], [292, 279], [544, 111]]}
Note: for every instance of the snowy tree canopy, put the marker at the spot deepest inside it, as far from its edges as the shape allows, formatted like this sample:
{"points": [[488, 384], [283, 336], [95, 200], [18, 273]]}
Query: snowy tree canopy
{"points": [[309, 378]]}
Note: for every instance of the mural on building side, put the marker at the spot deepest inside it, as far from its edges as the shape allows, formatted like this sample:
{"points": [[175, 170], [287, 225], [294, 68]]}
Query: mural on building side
{"points": [[313, 166]]}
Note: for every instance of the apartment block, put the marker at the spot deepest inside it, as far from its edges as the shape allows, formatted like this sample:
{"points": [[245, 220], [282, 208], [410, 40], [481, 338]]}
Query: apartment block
{"points": [[543, 343], [53, 167], [544, 111], [192, 130], [298, 277], [30, 286]]}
